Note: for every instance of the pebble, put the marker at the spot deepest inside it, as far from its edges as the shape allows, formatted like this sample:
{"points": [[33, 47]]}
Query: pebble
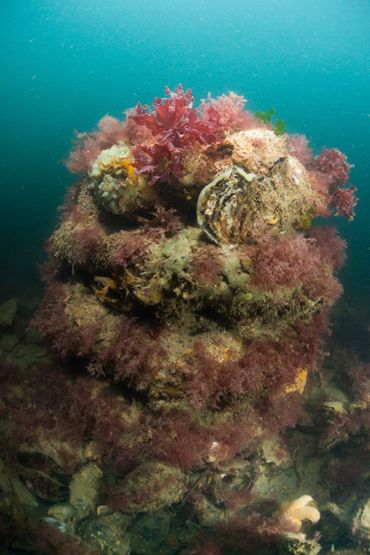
{"points": [[8, 311]]}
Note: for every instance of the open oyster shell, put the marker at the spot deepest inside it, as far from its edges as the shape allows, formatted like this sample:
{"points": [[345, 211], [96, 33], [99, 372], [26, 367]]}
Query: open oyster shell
{"points": [[232, 208]]}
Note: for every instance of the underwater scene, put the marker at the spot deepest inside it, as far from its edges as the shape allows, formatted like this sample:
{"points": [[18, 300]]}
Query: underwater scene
{"points": [[185, 277]]}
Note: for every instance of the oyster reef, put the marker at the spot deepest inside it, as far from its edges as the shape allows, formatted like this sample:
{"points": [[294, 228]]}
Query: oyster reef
{"points": [[186, 304]]}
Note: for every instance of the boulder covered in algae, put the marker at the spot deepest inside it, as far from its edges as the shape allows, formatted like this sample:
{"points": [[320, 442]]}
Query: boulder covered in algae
{"points": [[189, 290], [198, 279]]}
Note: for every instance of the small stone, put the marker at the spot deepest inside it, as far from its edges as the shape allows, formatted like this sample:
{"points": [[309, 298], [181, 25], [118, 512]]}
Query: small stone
{"points": [[361, 524], [8, 311], [8, 341], [102, 510], [275, 452], [65, 514], [26, 354], [84, 489], [14, 490], [92, 452], [208, 514], [148, 532], [150, 487], [298, 544], [107, 534], [334, 408], [33, 335]]}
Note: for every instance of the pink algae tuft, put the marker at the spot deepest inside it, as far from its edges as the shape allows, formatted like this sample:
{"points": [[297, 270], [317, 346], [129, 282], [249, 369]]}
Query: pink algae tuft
{"points": [[330, 171], [227, 113], [299, 147], [89, 145], [334, 164]]}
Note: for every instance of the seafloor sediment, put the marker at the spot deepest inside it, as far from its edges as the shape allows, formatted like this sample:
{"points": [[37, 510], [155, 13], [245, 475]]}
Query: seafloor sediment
{"points": [[169, 395]]}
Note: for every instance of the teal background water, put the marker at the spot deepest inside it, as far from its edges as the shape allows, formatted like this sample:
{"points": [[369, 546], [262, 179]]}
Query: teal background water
{"points": [[66, 63]]}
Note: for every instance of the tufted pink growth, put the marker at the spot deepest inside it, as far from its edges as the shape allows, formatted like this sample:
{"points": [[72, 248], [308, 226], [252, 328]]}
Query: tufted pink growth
{"points": [[175, 126], [89, 145], [333, 162], [227, 113], [344, 201]]}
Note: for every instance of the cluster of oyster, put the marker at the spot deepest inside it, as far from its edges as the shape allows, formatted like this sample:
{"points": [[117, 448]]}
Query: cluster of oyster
{"points": [[196, 283], [153, 287], [255, 181]]}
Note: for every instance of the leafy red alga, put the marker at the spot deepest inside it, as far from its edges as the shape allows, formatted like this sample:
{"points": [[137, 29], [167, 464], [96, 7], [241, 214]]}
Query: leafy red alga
{"points": [[175, 126]]}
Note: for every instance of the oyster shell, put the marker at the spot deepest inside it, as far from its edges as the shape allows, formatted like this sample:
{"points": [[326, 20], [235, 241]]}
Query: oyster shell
{"points": [[148, 532], [232, 208], [115, 184], [84, 488], [43, 476], [107, 534], [150, 487], [62, 516], [257, 149]]}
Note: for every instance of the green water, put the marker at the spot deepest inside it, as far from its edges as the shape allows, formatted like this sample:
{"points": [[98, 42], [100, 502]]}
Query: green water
{"points": [[67, 63]]}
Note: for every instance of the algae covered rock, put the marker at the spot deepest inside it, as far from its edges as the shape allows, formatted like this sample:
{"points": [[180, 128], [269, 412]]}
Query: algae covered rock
{"points": [[115, 184], [8, 341], [148, 532], [27, 354], [63, 516], [298, 544], [8, 311], [149, 487], [84, 489], [361, 524], [187, 270], [107, 534]]}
